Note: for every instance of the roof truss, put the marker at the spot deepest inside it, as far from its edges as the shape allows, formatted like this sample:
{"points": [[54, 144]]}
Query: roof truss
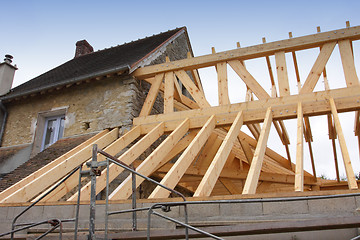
{"points": [[203, 148]]}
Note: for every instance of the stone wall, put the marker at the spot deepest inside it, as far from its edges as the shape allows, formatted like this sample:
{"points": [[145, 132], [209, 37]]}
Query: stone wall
{"points": [[89, 107], [99, 104]]}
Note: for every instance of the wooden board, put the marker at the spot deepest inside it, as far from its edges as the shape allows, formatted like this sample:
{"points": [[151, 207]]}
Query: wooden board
{"points": [[255, 167]]}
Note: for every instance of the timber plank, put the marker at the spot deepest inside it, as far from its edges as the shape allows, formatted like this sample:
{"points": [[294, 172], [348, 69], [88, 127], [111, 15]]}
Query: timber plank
{"points": [[213, 172], [318, 67], [223, 91], [152, 162], [248, 79], [261, 50], [281, 69], [193, 90], [347, 60], [179, 168], [344, 151], [169, 93], [53, 175], [299, 170], [151, 96], [49, 166], [112, 149], [255, 167]]}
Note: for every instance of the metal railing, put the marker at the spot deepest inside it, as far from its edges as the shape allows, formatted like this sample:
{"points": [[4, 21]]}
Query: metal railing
{"points": [[55, 223], [112, 159]]}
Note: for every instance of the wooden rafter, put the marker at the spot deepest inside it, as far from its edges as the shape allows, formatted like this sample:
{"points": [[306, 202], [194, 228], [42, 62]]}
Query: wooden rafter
{"points": [[212, 174], [256, 163], [345, 154], [177, 171], [201, 148], [152, 162]]}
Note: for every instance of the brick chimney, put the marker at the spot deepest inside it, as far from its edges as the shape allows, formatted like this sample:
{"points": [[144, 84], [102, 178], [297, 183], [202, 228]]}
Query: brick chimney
{"points": [[7, 71], [83, 48]]}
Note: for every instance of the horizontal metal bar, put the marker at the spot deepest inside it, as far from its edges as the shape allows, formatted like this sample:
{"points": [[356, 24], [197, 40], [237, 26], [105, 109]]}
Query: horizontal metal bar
{"points": [[187, 225]]}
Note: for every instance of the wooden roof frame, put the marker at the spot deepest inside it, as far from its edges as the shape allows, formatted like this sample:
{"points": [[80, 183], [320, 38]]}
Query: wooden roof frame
{"points": [[234, 162]]}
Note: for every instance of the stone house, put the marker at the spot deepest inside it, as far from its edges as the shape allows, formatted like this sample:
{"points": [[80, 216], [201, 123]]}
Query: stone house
{"points": [[89, 93]]}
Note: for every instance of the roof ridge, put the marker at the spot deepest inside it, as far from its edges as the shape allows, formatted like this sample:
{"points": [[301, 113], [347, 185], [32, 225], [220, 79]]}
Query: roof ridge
{"points": [[134, 41]]}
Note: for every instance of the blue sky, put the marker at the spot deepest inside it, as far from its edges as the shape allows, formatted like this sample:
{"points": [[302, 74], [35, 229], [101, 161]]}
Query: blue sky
{"points": [[42, 34]]}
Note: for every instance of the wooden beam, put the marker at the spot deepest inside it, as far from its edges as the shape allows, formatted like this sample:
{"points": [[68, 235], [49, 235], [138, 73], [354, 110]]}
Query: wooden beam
{"points": [[195, 75], [169, 93], [345, 154], [272, 80], [112, 149], [299, 170], [212, 174], [152, 162], [223, 92], [245, 146], [248, 79], [318, 67], [174, 175], [255, 167], [314, 104], [151, 96], [245, 53], [208, 152], [230, 186], [347, 60], [193, 90], [281, 69], [237, 174], [52, 164], [335, 159], [312, 159], [41, 183]]}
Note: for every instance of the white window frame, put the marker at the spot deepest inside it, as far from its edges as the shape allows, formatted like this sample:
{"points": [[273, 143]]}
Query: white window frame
{"points": [[56, 133]]}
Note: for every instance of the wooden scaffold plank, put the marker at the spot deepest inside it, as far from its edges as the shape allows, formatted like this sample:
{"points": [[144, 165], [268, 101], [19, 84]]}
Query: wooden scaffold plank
{"points": [[255, 167]]}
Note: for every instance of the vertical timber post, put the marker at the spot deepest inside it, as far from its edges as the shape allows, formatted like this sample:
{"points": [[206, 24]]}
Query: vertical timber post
{"points": [[93, 193]]}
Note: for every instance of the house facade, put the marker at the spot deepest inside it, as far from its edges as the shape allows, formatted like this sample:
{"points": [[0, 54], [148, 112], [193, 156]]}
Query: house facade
{"points": [[92, 92]]}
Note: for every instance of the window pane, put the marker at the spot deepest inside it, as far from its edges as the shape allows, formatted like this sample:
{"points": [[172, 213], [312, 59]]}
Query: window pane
{"points": [[50, 133], [61, 128]]}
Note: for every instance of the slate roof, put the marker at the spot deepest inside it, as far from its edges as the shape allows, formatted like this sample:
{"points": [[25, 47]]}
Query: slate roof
{"points": [[98, 63]]}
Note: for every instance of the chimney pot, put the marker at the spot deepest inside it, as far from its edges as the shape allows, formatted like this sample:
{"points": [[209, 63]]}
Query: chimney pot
{"points": [[83, 48], [8, 58]]}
